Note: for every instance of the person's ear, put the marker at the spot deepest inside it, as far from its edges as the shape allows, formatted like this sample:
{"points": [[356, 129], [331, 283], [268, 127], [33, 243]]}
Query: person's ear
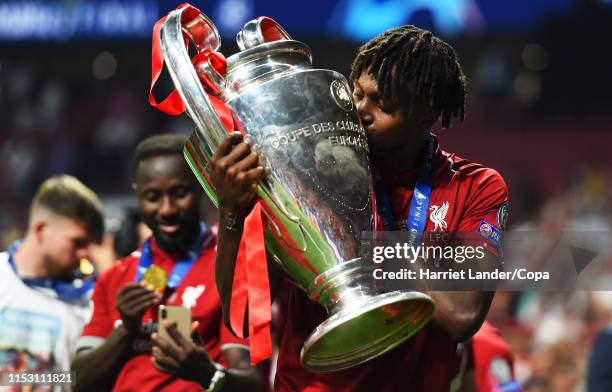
{"points": [[38, 228]]}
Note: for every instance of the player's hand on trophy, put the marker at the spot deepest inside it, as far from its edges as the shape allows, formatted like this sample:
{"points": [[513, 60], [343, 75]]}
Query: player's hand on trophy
{"points": [[132, 301], [235, 171], [182, 357]]}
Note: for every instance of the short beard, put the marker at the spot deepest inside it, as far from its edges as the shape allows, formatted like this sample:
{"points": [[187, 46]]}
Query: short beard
{"points": [[57, 273], [181, 244]]}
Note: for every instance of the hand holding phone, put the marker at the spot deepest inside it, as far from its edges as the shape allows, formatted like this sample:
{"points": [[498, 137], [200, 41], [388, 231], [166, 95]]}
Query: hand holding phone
{"points": [[178, 315], [184, 358]]}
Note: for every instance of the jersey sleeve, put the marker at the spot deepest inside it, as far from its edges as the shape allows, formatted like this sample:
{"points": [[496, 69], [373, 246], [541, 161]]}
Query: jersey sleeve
{"points": [[486, 211], [101, 323]]}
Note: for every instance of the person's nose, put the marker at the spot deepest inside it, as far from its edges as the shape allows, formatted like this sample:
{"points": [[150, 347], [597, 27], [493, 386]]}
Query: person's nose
{"points": [[364, 112], [167, 207]]}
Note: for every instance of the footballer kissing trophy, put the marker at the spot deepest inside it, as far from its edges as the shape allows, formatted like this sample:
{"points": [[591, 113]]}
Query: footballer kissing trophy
{"points": [[316, 198]]}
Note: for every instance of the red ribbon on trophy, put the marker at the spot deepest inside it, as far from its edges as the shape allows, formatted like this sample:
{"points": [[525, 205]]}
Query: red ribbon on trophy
{"points": [[251, 286]]}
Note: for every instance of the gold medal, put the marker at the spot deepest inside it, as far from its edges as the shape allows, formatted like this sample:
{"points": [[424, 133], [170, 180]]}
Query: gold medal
{"points": [[155, 277], [86, 267]]}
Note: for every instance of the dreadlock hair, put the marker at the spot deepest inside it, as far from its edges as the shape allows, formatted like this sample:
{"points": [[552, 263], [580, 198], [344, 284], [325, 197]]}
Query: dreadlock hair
{"points": [[158, 145], [416, 67]]}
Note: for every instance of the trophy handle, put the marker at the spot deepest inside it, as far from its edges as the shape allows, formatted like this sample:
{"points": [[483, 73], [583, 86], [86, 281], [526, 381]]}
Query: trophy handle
{"points": [[184, 75], [259, 31], [203, 33], [214, 80]]}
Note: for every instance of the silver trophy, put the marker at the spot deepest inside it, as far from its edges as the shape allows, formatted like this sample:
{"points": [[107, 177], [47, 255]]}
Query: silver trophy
{"points": [[317, 196]]}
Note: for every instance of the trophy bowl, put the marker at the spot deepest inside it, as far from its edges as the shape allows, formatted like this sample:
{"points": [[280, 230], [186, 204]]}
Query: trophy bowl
{"points": [[317, 197]]}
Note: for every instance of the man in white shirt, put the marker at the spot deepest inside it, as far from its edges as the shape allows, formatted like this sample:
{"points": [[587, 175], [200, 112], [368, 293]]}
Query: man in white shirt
{"points": [[44, 296]]}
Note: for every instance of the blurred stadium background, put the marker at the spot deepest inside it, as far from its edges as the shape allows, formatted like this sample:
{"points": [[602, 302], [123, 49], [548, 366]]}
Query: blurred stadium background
{"points": [[75, 74]]}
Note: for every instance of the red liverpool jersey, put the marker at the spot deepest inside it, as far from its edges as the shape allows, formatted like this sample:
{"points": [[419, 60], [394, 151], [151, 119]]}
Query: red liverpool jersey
{"points": [[198, 291], [468, 194], [493, 361]]}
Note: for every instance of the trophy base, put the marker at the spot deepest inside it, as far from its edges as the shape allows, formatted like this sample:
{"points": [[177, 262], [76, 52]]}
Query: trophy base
{"points": [[362, 332]]}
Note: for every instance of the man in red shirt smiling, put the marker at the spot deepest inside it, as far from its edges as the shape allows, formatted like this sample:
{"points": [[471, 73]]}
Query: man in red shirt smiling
{"points": [[120, 348], [405, 80]]}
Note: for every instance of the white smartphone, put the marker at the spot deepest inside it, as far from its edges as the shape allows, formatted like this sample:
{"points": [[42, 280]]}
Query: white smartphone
{"points": [[175, 314]]}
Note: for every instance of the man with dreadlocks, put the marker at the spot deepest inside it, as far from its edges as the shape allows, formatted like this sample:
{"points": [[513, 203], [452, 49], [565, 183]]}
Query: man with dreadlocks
{"points": [[404, 81]]}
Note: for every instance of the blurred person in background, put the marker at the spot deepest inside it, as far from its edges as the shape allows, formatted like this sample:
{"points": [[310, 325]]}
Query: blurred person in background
{"points": [[123, 236], [120, 348], [552, 332], [489, 363], [131, 233], [44, 295], [599, 376]]}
